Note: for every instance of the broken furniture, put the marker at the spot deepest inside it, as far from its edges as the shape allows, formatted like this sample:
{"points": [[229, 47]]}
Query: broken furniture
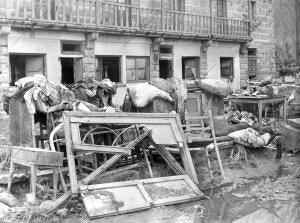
{"points": [[36, 158], [260, 101], [165, 128], [291, 135], [104, 200]]}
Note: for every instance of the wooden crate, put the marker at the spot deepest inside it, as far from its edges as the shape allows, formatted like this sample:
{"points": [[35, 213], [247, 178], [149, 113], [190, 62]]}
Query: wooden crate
{"points": [[20, 124], [38, 157]]}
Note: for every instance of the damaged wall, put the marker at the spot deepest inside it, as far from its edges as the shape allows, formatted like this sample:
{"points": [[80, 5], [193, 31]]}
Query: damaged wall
{"points": [[217, 50]]}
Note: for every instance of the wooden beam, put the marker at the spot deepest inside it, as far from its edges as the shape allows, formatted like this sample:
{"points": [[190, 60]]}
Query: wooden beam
{"points": [[103, 149], [167, 156], [60, 201], [70, 154]]}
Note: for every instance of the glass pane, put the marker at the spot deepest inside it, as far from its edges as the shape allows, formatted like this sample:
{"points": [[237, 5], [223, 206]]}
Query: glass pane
{"points": [[141, 74], [141, 63], [130, 63], [130, 75]]}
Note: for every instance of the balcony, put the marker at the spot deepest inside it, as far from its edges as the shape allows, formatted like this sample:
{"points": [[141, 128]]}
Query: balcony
{"points": [[108, 17]]}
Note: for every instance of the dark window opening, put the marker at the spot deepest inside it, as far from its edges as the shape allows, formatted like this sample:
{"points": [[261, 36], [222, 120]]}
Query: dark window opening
{"points": [[222, 8], [25, 66], [226, 64], [174, 5], [67, 70], [71, 48], [166, 49], [190, 68], [252, 63], [165, 69], [253, 10], [109, 67], [137, 68]]}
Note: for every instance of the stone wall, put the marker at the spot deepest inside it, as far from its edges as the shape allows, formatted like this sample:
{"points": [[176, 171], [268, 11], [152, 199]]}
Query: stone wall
{"points": [[298, 29], [4, 61]]}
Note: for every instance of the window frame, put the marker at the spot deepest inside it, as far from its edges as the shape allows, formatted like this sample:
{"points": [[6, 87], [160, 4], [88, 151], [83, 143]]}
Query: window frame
{"points": [[224, 8], [147, 69], [106, 56], [231, 67], [43, 55], [198, 66]]}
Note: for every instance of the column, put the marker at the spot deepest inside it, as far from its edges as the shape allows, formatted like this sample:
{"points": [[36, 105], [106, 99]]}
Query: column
{"points": [[154, 57], [89, 62]]}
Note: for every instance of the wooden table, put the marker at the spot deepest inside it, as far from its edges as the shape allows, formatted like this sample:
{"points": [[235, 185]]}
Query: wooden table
{"points": [[260, 101]]}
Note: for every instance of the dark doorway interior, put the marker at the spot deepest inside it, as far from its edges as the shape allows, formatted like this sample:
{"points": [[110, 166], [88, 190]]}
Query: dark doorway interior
{"points": [[165, 69], [67, 70], [109, 67], [17, 67]]}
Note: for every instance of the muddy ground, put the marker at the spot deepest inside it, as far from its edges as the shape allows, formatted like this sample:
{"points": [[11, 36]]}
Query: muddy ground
{"points": [[259, 190]]}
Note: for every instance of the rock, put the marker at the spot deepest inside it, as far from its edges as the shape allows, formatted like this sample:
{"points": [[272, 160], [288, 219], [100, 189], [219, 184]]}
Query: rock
{"points": [[62, 212], [8, 199], [297, 173], [46, 204], [4, 209]]}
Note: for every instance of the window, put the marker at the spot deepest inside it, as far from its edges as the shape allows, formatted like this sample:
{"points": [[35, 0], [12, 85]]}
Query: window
{"points": [[25, 66], [253, 10], [190, 68], [71, 47], [109, 67], [174, 5], [222, 8], [137, 68], [226, 64], [252, 63]]}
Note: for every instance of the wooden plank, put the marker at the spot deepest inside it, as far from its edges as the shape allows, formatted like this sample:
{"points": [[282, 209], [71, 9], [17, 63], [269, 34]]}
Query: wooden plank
{"points": [[103, 149], [60, 201], [215, 143], [167, 156], [70, 154], [102, 168]]}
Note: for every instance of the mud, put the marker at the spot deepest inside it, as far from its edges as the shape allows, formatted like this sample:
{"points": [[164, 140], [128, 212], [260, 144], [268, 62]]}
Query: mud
{"points": [[267, 192]]}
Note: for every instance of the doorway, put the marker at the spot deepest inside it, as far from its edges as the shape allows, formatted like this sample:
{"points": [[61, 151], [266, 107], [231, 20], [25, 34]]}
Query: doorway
{"points": [[109, 67], [67, 70], [165, 69]]}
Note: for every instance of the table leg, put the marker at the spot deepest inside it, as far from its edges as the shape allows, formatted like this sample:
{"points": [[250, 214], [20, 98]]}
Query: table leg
{"points": [[260, 108], [55, 182], [10, 176], [33, 178], [284, 110]]}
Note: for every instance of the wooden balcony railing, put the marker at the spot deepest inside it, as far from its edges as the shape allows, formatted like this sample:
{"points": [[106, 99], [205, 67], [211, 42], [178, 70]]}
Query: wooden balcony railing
{"points": [[99, 14]]}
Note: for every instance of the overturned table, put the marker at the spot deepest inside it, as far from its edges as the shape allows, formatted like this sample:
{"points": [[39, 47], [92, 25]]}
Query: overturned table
{"points": [[260, 101]]}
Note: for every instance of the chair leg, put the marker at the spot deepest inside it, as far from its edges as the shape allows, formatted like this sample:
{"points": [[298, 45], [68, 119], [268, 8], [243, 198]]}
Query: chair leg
{"points": [[33, 179], [10, 177], [62, 180], [55, 182]]}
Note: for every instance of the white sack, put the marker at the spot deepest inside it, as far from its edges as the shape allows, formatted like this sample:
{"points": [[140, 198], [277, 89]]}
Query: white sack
{"points": [[142, 94]]}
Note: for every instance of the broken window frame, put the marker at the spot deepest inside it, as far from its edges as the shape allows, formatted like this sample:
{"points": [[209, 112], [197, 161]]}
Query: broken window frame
{"points": [[147, 68], [230, 67]]}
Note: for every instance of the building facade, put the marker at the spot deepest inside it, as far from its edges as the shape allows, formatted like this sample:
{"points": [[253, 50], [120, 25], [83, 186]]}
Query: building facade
{"points": [[131, 41], [287, 32]]}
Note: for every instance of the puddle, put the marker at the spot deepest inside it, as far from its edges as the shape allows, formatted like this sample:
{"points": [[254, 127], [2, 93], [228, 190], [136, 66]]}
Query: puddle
{"points": [[241, 205]]}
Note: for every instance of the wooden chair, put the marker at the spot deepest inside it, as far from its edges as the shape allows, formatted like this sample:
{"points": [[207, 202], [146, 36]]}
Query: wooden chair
{"points": [[36, 158]]}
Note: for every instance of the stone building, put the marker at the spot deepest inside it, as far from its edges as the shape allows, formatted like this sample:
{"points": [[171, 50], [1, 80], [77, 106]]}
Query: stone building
{"points": [[132, 41], [287, 32]]}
